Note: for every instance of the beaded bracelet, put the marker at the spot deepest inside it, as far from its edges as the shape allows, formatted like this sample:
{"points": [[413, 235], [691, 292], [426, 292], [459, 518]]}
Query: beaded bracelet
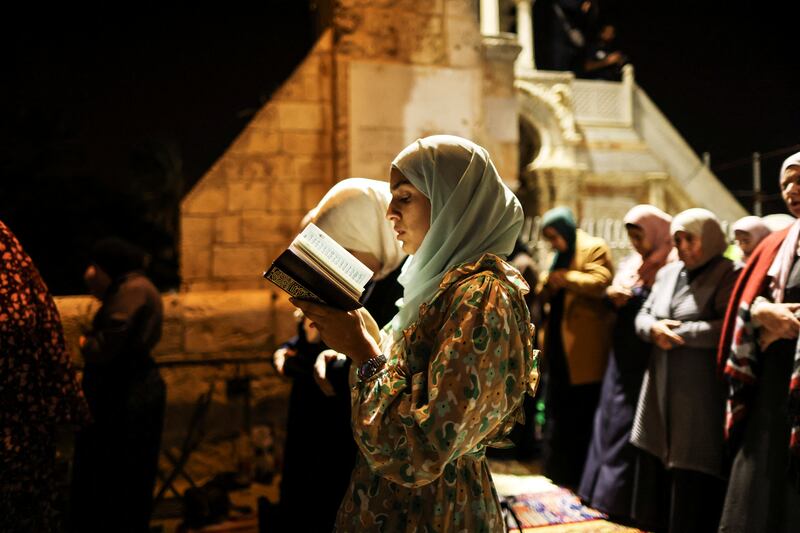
{"points": [[370, 367]]}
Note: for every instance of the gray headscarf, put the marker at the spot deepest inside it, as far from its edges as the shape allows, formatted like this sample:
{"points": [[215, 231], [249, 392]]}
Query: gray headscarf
{"points": [[704, 224]]}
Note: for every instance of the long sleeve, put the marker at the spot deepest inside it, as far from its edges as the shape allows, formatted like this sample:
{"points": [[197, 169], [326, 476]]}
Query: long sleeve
{"points": [[594, 276], [128, 322], [410, 425], [645, 318], [705, 333]]}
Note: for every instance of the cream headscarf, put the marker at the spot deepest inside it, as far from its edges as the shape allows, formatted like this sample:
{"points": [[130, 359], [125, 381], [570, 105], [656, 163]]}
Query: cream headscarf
{"points": [[754, 226], [704, 224], [472, 213], [353, 213]]}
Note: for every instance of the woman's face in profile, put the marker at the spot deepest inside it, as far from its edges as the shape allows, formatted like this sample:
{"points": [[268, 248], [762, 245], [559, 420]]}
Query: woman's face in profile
{"points": [[409, 212], [745, 241], [639, 240], [690, 248], [790, 189], [555, 239], [97, 280]]}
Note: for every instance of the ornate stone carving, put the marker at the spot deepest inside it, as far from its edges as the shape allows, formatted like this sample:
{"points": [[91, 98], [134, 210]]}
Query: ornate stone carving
{"points": [[558, 99]]}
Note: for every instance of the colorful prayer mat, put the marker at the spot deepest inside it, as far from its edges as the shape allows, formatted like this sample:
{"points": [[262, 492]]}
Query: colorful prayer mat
{"points": [[546, 508]]}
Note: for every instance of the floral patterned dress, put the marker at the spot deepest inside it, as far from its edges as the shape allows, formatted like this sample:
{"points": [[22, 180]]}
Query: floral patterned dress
{"points": [[38, 391], [453, 385]]}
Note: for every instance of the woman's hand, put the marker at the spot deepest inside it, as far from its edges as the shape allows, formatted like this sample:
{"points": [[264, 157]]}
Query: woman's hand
{"points": [[557, 278], [279, 358], [321, 370], [778, 321], [619, 296], [662, 335], [353, 333]]}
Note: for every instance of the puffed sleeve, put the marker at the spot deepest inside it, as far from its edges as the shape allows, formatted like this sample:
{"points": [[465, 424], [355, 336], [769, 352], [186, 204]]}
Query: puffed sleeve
{"points": [[409, 426]]}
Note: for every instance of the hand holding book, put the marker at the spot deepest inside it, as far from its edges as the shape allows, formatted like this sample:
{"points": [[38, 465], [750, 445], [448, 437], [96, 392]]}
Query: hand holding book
{"points": [[316, 268], [353, 333]]}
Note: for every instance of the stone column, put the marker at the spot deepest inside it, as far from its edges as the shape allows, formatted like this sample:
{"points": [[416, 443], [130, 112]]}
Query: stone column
{"points": [[567, 184], [657, 189], [525, 59], [490, 17]]}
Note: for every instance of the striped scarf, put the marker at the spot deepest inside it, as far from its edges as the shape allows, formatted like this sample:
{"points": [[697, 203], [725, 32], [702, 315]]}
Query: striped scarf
{"points": [[739, 355]]}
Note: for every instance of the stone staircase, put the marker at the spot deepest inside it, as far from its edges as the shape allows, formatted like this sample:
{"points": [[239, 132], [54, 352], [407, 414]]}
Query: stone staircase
{"points": [[621, 147]]}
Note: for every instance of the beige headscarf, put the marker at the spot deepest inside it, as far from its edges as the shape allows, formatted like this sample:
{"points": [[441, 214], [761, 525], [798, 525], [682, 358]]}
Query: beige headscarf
{"points": [[704, 224], [353, 213]]}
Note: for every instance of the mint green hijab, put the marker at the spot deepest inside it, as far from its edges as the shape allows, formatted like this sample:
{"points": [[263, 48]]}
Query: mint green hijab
{"points": [[472, 213]]}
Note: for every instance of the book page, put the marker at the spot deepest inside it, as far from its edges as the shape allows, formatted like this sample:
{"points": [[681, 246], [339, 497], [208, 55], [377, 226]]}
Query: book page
{"points": [[319, 245], [326, 272]]}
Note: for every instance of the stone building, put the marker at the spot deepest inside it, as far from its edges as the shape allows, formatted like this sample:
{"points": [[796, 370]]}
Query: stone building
{"points": [[383, 73]]}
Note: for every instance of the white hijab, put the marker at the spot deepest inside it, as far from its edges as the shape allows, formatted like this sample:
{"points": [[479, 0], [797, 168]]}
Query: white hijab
{"points": [[781, 266], [472, 213], [353, 213], [754, 226]]}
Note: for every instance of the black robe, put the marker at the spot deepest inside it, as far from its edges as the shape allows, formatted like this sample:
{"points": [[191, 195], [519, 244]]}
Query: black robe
{"points": [[320, 452], [116, 456]]}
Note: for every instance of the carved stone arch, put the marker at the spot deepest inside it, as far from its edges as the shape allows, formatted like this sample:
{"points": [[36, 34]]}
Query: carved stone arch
{"points": [[549, 112], [551, 174]]}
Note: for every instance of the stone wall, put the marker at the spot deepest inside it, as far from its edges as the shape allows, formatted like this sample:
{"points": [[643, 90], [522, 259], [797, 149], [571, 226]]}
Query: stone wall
{"points": [[227, 320], [248, 206], [423, 68], [409, 69], [209, 338]]}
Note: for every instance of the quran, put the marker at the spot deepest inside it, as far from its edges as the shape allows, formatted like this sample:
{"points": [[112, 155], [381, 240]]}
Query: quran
{"points": [[317, 268]]}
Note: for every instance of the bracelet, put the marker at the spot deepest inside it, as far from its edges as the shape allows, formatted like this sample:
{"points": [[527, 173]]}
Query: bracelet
{"points": [[370, 367]]}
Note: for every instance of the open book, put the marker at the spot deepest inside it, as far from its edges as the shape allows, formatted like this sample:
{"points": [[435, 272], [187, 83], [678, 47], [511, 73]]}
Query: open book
{"points": [[317, 268]]}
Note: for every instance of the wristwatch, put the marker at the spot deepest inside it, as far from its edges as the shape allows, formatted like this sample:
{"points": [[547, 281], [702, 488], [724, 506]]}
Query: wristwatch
{"points": [[370, 367]]}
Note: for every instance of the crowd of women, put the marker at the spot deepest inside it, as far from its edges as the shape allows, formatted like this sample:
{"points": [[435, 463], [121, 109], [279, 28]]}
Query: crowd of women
{"points": [[672, 380], [673, 384], [649, 367]]}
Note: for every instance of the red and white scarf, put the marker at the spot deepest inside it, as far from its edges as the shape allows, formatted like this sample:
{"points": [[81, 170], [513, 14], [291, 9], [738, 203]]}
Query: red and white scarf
{"points": [[739, 354]]}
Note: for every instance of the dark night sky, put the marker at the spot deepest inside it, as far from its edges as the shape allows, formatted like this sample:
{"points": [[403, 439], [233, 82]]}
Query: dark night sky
{"points": [[725, 73], [104, 118], [107, 120]]}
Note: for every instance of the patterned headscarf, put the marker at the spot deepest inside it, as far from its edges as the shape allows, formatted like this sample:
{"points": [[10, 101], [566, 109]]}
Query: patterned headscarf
{"points": [[472, 213]]}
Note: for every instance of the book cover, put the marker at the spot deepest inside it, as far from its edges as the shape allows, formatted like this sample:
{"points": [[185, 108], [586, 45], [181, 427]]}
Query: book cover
{"points": [[318, 269]]}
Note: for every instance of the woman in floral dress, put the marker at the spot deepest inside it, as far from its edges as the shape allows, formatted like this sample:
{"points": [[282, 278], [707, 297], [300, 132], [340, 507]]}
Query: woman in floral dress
{"points": [[446, 378], [39, 392]]}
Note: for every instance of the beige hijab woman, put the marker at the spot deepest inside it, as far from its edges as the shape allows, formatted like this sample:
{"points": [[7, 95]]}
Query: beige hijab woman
{"points": [[353, 213]]}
